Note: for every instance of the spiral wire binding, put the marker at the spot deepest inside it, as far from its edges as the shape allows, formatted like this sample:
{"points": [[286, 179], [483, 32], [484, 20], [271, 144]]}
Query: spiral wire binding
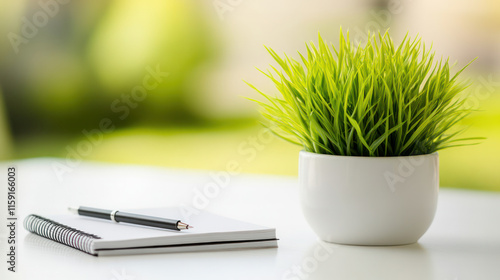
{"points": [[60, 233]]}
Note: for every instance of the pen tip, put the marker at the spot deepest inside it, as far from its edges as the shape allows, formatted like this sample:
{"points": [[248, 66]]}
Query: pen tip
{"points": [[182, 226], [73, 210]]}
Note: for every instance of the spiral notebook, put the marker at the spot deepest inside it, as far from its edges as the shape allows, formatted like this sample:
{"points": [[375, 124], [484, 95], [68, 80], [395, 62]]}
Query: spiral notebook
{"points": [[105, 238]]}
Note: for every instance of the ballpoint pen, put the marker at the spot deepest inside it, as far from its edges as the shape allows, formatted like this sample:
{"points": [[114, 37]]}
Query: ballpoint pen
{"points": [[131, 218]]}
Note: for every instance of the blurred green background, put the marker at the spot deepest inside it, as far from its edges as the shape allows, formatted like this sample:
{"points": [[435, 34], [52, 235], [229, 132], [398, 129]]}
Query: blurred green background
{"points": [[65, 66]]}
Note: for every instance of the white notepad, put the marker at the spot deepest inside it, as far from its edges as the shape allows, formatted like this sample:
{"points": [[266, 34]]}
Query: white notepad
{"points": [[103, 238]]}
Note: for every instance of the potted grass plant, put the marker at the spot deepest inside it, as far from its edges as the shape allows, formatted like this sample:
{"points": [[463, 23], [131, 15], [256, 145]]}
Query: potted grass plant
{"points": [[371, 119]]}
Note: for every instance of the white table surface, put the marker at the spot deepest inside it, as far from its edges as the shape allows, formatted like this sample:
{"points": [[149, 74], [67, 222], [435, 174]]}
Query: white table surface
{"points": [[462, 243]]}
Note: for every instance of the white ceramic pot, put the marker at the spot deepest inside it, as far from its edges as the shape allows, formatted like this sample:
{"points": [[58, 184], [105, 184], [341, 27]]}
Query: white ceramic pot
{"points": [[369, 200]]}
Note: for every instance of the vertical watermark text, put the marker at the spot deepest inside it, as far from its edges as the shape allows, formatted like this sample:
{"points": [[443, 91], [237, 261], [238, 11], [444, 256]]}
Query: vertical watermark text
{"points": [[11, 222]]}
